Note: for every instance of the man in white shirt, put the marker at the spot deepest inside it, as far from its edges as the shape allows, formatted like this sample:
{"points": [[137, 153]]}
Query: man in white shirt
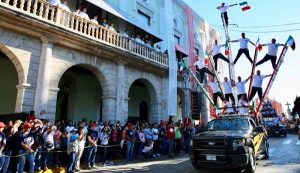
{"points": [[243, 48], [257, 85], [243, 104], [201, 67], [228, 107], [216, 91], [272, 53], [217, 53], [83, 14], [240, 86], [223, 9], [227, 87], [64, 6]]}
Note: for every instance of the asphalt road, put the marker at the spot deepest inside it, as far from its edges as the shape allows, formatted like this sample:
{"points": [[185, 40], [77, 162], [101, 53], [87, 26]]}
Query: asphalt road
{"points": [[284, 158]]}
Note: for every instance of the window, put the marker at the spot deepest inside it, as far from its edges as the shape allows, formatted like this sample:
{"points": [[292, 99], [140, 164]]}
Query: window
{"points": [[177, 39], [197, 51], [144, 18]]}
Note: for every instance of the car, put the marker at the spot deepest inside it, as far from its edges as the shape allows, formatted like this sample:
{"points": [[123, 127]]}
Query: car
{"points": [[233, 142], [276, 129]]}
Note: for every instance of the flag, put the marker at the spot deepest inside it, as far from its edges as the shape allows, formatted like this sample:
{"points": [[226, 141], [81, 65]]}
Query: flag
{"points": [[291, 42], [259, 46], [244, 5], [226, 48], [182, 65]]}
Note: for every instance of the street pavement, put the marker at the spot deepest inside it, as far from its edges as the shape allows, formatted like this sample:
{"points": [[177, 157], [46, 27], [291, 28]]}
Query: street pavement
{"points": [[284, 158]]}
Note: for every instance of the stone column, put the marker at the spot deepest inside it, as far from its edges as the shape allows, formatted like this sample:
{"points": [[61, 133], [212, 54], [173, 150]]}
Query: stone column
{"points": [[120, 91], [25, 97], [42, 85], [109, 108]]}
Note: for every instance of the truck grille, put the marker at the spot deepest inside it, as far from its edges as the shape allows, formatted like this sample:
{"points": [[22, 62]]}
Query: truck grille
{"points": [[210, 144]]}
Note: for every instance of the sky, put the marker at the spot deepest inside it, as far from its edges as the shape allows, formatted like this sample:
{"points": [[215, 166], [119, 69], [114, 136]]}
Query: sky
{"points": [[262, 13]]}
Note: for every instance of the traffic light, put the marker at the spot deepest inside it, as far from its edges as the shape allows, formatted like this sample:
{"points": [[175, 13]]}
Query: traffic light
{"points": [[196, 105]]}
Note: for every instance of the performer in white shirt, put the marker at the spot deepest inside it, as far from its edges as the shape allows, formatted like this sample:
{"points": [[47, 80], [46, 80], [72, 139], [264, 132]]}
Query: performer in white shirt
{"points": [[216, 91], [243, 104], [201, 67], [240, 86], [272, 53], [243, 48], [257, 85], [217, 53], [223, 10], [227, 87]]}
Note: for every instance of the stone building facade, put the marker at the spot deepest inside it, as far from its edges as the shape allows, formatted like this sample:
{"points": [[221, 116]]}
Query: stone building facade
{"points": [[66, 67]]}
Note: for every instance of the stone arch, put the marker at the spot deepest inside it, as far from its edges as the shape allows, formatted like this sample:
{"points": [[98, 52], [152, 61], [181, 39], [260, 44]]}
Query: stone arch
{"points": [[153, 94], [80, 93], [15, 60]]}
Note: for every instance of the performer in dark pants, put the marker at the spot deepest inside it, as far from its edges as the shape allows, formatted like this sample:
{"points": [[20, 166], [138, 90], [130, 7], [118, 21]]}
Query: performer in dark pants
{"points": [[272, 53], [257, 85], [227, 86], [201, 67], [243, 48], [217, 53], [216, 92], [223, 9]]}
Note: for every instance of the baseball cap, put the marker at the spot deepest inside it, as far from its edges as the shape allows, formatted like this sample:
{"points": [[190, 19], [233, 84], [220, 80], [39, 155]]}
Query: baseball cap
{"points": [[2, 125], [27, 125]]}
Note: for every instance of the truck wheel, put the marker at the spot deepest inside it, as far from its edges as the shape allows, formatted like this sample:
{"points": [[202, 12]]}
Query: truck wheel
{"points": [[251, 166], [196, 165], [266, 152]]}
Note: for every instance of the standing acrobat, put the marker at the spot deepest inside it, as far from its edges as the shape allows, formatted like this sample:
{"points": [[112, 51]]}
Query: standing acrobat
{"points": [[223, 9], [217, 53]]}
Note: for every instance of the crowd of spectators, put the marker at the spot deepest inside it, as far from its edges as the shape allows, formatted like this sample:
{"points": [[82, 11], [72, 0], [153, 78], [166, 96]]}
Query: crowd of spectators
{"points": [[36, 144]]}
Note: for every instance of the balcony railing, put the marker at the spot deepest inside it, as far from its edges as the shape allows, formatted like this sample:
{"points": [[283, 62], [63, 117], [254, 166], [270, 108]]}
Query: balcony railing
{"points": [[52, 14]]}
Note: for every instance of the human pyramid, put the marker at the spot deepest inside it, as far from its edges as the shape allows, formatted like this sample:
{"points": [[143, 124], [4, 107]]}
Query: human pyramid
{"points": [[224, 90]]}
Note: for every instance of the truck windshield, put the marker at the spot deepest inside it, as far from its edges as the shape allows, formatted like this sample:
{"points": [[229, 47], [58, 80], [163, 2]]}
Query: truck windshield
{"points": [[228, 124]]}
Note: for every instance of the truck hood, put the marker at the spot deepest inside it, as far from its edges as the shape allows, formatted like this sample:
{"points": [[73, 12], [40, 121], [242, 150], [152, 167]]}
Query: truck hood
{"points": [[221, 134]]}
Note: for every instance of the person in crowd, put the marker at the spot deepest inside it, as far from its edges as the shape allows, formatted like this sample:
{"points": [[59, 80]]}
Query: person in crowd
{"points": [[57, 146], [31, 116], [83, 14], [130, 138], [2, 144], [95, 20], [141, 141], [272, 53], [170, 138], [81, 143], [243, 48], [92, 137], [77, 12], [64, 6], [112, 27], [187, 137], [155, 137], [163, 138], [257, 85], [217, 53], [125, 33], [48, 145], [104, 138], [26, 140], [72, 149], [7, 151], [177, 137], [104, 23], [138, 39]]}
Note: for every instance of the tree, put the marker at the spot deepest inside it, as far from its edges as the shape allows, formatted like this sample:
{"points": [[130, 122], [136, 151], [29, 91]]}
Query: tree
{"points": [[296, 108]]}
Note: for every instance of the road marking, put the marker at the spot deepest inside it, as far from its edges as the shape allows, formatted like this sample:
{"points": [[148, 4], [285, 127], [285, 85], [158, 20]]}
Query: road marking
{"points": [[287, 141], [298, 143]]}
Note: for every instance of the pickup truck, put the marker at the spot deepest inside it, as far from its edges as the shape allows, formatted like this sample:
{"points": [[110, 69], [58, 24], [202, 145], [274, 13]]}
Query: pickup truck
{"points": [[233, 142]]}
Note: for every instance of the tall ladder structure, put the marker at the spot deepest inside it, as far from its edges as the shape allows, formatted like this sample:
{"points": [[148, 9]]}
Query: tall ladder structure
{"points": [[230, 64], [272, 78]]}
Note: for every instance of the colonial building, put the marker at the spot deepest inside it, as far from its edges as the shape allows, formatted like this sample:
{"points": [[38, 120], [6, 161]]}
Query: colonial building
{"points": [[65, 66]]}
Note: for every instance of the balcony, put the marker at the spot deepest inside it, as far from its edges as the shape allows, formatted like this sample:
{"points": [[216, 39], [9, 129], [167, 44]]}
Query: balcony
{"points": [[43, 11]]}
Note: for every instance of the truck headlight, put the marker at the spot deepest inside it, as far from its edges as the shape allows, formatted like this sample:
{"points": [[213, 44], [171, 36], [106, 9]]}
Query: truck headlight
{"points": [[238, 143]]}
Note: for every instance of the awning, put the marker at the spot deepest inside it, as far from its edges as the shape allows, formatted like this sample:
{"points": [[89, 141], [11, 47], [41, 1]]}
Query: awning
{"points": [[181, 50], [123, 15]]}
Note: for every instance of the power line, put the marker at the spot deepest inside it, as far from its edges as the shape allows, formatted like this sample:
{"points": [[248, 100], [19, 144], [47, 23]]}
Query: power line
{"points": [[271, 31], [262, 26]]}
